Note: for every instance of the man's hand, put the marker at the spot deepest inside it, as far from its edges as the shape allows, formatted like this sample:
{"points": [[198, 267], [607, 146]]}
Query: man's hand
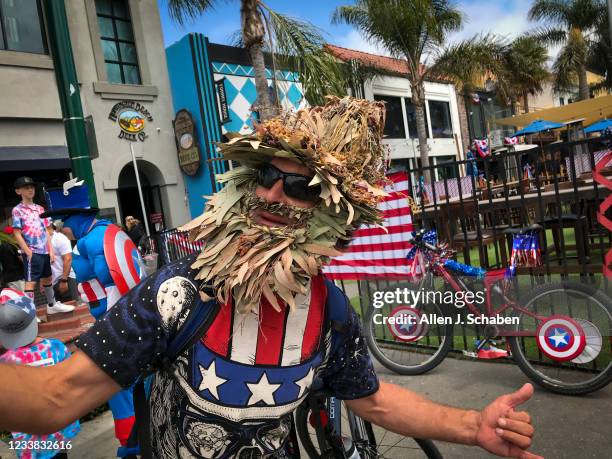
{"points": [[28, 253], [51, 257], [63, 287], [504, 431]]}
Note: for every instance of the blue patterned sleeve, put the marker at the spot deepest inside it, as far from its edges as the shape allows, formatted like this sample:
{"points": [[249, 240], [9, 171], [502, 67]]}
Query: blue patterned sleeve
{"points": [[349, 373], [134, 333]]}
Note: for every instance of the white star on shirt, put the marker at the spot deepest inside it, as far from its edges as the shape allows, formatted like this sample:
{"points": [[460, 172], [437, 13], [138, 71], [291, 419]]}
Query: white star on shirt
{"points": [[305, 382], [210, 380], [559, 337], [262, 390]]}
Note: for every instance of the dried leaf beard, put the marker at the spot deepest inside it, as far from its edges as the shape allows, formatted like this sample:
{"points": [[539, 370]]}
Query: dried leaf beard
{"points": [[299, 215], [243, 260]]}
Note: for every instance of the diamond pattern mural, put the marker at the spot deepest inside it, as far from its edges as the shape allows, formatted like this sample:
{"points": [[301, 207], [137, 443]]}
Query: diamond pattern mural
{"points": [[241, 93]]}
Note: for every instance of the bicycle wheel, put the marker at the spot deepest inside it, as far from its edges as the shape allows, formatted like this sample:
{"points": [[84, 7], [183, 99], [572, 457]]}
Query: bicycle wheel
{"points": [[573, 353], [389, 445], [413, 348]]}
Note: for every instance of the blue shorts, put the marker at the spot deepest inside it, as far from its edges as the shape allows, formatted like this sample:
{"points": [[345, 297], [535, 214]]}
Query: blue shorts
{"points": [[38, 267]]}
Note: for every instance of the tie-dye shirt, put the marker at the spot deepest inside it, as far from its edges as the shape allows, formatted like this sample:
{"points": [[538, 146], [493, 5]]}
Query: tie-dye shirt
{"points": [[41, 354], [26, 218]]}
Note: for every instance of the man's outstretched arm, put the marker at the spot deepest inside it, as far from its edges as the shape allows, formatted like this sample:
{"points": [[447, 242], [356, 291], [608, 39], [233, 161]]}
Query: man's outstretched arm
{"points": [[46, 399], [498, 428]]}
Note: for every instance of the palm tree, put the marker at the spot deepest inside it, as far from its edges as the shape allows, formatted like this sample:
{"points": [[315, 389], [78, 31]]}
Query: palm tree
{"points": [[600, 56], [572, 23], [297, 43], [523, 70], [417, 31]]}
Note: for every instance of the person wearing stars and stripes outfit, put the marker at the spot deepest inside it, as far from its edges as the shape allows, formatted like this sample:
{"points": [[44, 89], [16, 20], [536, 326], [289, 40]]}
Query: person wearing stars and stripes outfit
{"points": [[301, 190], [97, 285]]}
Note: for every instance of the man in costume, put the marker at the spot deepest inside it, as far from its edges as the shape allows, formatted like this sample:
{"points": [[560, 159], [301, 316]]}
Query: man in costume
{"points": [[107, 264], [306, 181]]}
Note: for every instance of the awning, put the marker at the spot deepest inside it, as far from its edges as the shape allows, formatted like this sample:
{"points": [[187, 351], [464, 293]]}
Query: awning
{"points": [[34, 158], [591, 110]]}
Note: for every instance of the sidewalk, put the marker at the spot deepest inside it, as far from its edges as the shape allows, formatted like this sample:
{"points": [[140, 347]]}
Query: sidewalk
{"points": [[567, 427]]}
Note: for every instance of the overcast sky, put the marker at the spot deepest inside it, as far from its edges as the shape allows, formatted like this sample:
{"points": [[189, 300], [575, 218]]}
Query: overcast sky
{"points": [[503, 17]]}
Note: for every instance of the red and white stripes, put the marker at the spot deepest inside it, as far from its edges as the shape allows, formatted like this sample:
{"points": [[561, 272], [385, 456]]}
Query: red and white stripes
{"points": [[377, 252]]}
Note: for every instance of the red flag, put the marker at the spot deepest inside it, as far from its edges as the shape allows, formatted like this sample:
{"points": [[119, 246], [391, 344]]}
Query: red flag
{"points": [[374, 252]]}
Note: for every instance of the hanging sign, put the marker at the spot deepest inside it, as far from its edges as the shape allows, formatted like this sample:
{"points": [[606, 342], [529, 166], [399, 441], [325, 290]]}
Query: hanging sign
{"points": [[131, 117], [187, 142], [222, 101]]}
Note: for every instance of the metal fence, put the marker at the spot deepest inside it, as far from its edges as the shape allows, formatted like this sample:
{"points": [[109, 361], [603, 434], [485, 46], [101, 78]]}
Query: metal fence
{"points": [[552, 186]]}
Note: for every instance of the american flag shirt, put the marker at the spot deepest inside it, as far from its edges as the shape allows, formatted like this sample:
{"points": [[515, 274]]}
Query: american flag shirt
{"points": [[233, 392]]}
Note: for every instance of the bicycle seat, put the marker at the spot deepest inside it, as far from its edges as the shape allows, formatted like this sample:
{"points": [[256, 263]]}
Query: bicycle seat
{"points": [[524, 229]]}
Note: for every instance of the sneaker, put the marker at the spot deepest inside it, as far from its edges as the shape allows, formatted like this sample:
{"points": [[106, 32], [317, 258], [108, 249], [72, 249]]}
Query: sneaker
{"points": [[59, 307]]}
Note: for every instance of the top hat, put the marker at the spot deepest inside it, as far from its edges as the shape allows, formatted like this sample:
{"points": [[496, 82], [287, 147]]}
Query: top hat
{"points": [[71, 199]]}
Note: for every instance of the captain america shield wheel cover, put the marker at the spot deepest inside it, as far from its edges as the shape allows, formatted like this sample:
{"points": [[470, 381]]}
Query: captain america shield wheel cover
{"points": [[124, 261], [561, 338], [407, 326]]}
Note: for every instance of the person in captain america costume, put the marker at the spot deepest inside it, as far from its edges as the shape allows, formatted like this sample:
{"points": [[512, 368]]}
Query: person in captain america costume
{"points": [[306, 180], [92, 264]]}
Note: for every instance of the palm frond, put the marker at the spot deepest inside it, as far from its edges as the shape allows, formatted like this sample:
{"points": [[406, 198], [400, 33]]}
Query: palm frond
{"points": [[300, 46], [408, 29], [556, 11], [466, 61], [550, 36], [183, 10], [373, 20]]}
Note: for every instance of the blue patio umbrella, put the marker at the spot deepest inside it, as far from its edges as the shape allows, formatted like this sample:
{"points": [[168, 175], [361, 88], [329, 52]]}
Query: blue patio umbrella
{"points": [[538, 126], [601, 125]]}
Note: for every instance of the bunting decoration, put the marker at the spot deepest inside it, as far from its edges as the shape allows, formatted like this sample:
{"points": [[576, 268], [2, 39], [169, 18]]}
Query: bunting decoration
{"points": [[510, 140], [482, 147], [525, 251]]}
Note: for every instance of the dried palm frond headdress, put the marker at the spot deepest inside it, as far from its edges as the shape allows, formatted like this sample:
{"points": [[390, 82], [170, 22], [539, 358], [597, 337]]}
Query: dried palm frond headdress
{"points": [[341, 143]]}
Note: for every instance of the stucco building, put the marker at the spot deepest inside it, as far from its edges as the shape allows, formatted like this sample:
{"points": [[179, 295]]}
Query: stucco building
{"points": [[122, 73]]}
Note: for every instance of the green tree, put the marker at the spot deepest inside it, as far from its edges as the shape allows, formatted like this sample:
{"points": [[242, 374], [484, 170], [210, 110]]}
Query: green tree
{"points": [[297, 43], [418, 31], [523, 70], [600, 55], [572, 23]]}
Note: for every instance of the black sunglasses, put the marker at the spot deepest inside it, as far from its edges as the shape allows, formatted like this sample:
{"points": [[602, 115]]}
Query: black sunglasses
{"points": [[294, 185]]}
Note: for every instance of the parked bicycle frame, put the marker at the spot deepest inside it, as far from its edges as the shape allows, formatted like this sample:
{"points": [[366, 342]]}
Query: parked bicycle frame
{"points": [[328, 429], [565, 326]]}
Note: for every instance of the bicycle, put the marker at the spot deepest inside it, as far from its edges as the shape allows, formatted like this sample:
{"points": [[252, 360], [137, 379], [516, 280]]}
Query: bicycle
{"points": [[326, 428], [565, 326]]}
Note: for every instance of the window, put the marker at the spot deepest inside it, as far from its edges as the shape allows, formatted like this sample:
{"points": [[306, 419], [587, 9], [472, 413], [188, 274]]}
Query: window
{"points": [[412, 120], [21, 27], [441, 125], [118, 41], [447, 172], [394, 124]]}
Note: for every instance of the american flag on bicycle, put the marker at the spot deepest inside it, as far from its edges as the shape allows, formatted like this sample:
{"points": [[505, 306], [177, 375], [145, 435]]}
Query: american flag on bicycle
{"points": [[374, 252]]}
